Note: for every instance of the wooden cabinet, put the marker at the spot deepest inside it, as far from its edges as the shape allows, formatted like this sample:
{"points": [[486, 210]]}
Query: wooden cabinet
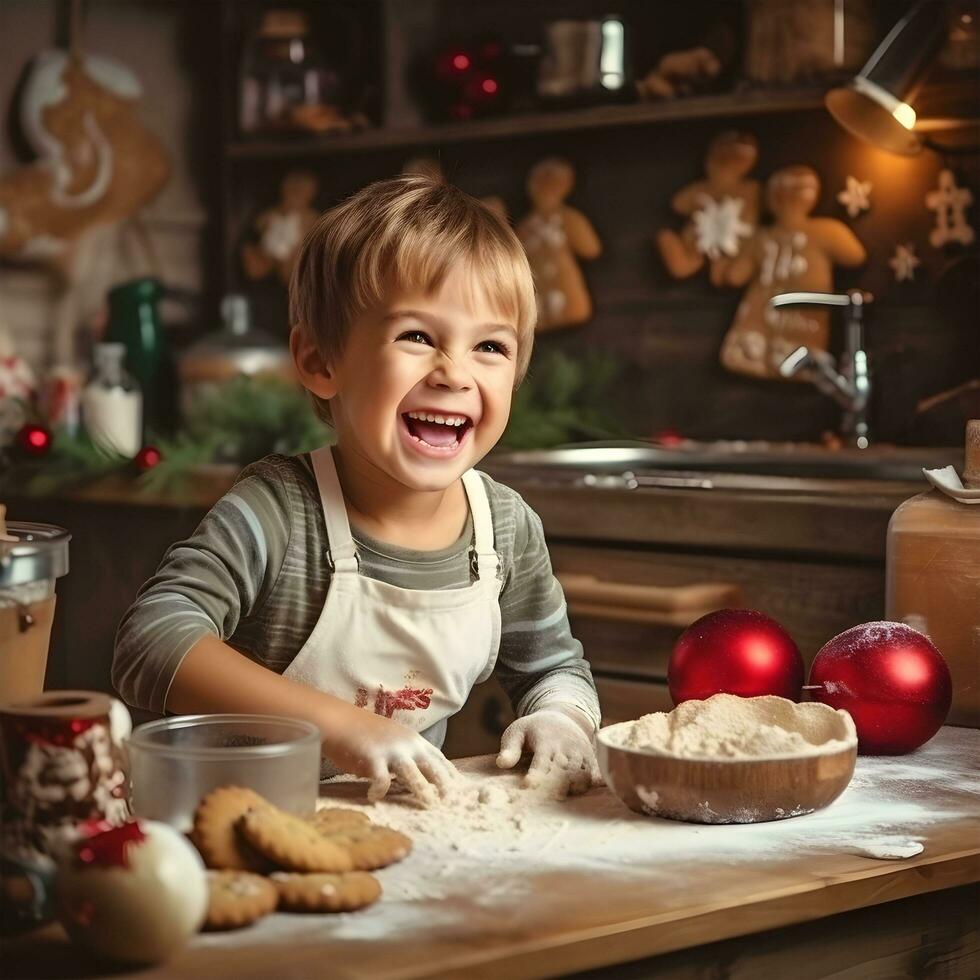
{"points": [[813, 600], [646, 564]]}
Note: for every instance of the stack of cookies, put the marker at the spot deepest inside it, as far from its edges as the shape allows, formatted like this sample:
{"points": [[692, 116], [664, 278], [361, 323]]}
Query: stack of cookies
{"points": [[263, 858]]}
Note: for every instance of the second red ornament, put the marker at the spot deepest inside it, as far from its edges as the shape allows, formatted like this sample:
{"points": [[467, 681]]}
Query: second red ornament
{"points": [[891, 680], [735, 651]]}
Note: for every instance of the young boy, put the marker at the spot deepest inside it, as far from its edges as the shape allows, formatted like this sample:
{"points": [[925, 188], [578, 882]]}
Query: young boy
{"points": [[367, 588]]}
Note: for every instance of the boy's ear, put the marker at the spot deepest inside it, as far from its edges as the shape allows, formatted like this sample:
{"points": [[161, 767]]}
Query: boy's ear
{"points": [[315, 376]]}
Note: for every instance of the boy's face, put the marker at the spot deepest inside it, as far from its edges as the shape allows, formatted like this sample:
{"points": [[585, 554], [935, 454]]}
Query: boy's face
{"points": [[415, 359]]}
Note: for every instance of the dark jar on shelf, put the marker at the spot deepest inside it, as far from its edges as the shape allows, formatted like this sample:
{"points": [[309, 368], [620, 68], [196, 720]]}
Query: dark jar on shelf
{"points": [[285, 83]]}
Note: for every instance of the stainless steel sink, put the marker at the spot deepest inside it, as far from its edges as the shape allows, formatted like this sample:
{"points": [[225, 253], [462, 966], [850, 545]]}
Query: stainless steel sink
{"points": [[784, 467]]}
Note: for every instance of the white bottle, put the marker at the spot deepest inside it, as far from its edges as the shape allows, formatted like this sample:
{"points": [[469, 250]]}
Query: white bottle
{"points": [[112, 403]]}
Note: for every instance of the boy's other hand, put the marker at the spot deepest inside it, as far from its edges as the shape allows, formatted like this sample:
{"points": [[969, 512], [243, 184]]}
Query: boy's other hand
{"points": [[562, 751], [382, 750]]}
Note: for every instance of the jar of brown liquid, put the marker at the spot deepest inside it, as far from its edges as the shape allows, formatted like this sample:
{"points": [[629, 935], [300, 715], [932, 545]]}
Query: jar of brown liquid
{"points": [[933, 578], [32, 556]]}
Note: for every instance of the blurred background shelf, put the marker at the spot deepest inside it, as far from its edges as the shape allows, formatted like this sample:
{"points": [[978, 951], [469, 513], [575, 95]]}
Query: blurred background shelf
{"points": [[729, 105]]}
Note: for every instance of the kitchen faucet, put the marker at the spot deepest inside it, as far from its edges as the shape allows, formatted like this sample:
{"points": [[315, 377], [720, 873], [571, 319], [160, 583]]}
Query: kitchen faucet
{"points": [[850, 385]]}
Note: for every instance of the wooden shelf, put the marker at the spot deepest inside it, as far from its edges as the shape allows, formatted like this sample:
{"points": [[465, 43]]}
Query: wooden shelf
{"points": [[595, 117]]}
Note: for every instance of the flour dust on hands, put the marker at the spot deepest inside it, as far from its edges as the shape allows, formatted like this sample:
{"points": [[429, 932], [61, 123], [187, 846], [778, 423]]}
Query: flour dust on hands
{"points": [[383, 751], [417, 765], [563, 760]]}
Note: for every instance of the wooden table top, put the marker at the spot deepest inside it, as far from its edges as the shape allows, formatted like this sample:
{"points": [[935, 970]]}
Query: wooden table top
{"points": [[536, 887]]}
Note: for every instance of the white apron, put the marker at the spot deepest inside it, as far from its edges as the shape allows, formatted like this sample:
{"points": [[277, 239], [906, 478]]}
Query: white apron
{"points": [[408, 654]]}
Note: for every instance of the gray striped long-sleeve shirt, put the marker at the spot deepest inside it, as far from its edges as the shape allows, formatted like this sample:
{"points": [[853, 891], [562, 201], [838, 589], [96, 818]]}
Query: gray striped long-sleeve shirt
{"points": [[255, 574]]}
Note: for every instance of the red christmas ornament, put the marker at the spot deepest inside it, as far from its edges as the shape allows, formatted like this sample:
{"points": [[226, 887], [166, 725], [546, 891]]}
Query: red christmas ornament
{"points": [[891, 680], [34, 440], [735, 651], [147, 458], [110, 848], [668, 438]]}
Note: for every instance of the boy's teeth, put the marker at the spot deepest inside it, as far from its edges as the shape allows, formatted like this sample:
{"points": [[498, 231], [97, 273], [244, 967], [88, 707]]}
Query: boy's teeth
{"points": [[441, 419]]}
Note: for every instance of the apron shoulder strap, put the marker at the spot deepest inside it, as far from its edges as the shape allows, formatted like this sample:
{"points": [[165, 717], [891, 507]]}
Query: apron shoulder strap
{"points": [[485, 560], [341, 555]]}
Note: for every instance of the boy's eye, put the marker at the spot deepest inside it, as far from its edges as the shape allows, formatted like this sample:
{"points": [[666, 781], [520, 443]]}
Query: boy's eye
{"points": [[493, 347], [416, 337]]}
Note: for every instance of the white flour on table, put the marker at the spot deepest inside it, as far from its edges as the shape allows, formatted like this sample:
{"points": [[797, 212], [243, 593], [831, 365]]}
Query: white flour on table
{"points": [[482, 848]]}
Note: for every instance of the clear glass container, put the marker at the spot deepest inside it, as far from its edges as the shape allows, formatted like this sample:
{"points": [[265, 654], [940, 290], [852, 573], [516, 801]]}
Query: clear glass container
{"points": [[112, 403], [285, 82], [175, 761], [933, 579], [32, 556]]}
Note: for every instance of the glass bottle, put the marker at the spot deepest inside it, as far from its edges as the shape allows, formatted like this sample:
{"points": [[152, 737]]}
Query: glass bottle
{"points": [[134, 320], [932, 580], [112, 403]]}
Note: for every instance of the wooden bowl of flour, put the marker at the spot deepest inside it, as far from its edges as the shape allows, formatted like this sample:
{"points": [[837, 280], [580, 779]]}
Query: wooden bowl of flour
{"points": [[730, 759]]}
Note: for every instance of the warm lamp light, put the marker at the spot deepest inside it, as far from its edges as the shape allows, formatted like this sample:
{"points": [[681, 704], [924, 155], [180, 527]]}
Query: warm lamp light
{"points": [[875, 105], [905, 114]]}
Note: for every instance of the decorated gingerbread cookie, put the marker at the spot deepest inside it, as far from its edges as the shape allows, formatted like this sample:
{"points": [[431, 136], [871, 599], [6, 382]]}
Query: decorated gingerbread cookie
{"points": [[281, 229], [795, 252], [556, 236], [722, 208]]}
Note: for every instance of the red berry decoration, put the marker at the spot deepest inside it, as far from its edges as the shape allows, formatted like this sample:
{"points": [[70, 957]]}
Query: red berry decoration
{"points": [[147, 458], [891, 680], [735, 651], [34, 440]]}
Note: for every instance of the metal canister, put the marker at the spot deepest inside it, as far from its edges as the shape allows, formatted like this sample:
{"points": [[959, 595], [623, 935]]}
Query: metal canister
{"points": [[239, 349]]}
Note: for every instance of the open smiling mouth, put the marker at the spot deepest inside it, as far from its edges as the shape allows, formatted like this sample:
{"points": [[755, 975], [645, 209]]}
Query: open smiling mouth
{"points": [[442, 434]]}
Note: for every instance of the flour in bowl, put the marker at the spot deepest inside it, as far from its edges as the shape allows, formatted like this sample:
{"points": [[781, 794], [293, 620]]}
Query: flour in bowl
{"points": [[729, 727]]}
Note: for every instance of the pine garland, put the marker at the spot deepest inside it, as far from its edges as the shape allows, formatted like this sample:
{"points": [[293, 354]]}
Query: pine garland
{"points": [[240, 422], [72, 461], [237, 423], [562, 400]]}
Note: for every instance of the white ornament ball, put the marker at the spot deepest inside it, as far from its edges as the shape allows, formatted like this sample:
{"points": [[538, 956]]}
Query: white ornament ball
{"points": [[135, 893]]}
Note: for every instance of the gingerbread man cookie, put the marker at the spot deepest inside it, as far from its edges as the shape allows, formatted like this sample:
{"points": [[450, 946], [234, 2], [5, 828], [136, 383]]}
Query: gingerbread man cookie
{"points": [[281, 229], [555, 237], [795, 252], [722, 208]]}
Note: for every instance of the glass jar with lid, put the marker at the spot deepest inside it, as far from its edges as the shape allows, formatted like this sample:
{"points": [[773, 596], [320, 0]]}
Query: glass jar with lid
{"points": [[112, 403], [285, 81], [32, 556]]}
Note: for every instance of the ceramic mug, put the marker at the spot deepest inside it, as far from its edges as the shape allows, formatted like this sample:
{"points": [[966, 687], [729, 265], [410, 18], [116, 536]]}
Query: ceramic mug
{"points": [[63, 777]]}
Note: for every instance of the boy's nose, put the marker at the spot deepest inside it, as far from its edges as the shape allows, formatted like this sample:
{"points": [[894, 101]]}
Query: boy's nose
{"points": [[450, 375]]}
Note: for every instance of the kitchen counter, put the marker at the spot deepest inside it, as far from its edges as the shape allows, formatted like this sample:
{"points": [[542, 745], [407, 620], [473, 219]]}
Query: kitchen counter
{"points": [[812, 558], [841, 518], [540, 888]]}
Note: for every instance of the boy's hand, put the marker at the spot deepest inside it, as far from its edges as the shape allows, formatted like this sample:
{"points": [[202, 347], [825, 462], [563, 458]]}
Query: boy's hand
{"points": [[382, 749], [560, 746]]}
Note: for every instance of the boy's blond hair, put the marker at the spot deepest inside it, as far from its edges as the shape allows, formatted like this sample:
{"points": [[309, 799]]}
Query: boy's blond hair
{"points": [[406, 232]]}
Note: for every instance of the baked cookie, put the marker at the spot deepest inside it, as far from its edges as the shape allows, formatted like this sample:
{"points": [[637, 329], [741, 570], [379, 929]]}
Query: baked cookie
{"points": [[325, 892], [238, 898], [214, 833], [370, 847], [338, 818], [291, 842]]}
